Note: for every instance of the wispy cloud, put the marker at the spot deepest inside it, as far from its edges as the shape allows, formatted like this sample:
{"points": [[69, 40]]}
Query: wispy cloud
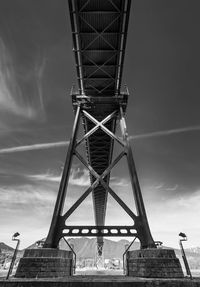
{"points": [[11, 98], [21, 91], [158, 186], [24, 148], [165, 132], [173, 215], [164, 187], [19, 199], [39, 71], [117, 181], [173, 188], [26, 208], [45, 177], [162, 191], [78, 177]]}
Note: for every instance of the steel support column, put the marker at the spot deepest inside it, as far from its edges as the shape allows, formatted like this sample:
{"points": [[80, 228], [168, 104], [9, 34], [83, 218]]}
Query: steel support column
{"points": [[141, 223], [53, 237]]}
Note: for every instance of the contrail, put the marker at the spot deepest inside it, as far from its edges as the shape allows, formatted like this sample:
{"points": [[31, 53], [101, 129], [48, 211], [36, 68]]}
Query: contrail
{"points": [[33, 147], [165, 132], [64, 143]]}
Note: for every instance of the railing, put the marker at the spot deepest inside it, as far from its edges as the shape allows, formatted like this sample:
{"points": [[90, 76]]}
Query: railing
{"points": [[73, 259], [127, 249], [14, 255]]}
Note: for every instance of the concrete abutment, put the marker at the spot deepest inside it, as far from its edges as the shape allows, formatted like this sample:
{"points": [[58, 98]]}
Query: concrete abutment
{"points": [[45, 263], [153, 263]]}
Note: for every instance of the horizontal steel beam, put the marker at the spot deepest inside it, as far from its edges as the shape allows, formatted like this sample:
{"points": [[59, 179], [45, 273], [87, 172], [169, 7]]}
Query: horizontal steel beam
{"points": [[102, 99], [96, 231], [97, 78], [98, 50], [99, 12]]}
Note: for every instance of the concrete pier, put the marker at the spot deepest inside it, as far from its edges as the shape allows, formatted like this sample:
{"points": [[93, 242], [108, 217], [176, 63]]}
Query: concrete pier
{"points": [[45, 263], [153, 263]]}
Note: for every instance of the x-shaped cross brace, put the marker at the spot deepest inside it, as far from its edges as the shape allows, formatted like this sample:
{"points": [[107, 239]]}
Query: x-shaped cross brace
{"points": [[99, 178]]}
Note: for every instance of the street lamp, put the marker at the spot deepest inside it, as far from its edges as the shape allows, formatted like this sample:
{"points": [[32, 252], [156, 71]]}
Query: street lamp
{"points": [[184, 238], [14, 238]]}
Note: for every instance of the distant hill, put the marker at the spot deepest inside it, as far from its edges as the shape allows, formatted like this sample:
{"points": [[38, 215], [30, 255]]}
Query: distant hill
{"points": [[86, 248], [34, 245], [5, 248], [195, 250]]}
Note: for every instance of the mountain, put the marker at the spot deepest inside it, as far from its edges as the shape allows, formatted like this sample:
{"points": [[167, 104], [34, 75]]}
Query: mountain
{"points": [[195, 250], [5, 248], [35, 244], [86, 247]]}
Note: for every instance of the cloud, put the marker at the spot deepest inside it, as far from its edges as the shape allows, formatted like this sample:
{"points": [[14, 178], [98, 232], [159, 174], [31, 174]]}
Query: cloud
{"points": [[11, 98], [173, 188], [45, 177], [164, 187], [165, 132], [21, 88], [78, 177], [169, 215], [33, 147], [158, 186], [161, 191], [121, 182], [183, 209], [20, 198], [26, 208], [39, 71], [190, 202]]}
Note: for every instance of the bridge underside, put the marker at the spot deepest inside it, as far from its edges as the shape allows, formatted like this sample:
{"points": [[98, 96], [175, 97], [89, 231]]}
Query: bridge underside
{"points": [[99, 30]]}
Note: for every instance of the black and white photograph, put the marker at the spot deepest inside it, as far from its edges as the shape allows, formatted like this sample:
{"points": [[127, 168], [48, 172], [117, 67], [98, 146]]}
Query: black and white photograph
{"points": [[99, 143]]}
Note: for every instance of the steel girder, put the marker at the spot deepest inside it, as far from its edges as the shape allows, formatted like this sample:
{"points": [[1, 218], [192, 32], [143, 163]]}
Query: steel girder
{"points": [[99, 30]]}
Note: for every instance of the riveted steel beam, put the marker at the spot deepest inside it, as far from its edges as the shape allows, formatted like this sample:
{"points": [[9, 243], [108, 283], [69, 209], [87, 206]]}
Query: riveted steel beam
{"points": [[98, 231]]}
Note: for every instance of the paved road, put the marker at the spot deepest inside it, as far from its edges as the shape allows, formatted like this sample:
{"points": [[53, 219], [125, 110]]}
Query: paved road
{"points": [[98, 272], [3, 273]]}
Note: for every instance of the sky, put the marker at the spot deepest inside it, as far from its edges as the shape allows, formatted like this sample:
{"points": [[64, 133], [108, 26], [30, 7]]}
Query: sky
{"points": [[161, 69]]}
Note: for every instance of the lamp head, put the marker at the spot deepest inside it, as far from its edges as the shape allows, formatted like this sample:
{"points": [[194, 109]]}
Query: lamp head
{"points": [[183, 235], [16, 234]]}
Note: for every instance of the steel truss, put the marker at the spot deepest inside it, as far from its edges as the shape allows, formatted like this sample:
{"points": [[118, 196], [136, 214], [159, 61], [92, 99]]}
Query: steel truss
{"points": [[59, 227], [99, 258], [86, 43]]}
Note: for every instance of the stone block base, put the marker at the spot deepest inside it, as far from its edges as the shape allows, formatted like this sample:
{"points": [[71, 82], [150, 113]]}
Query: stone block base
{"points": [[45, 263], [153, 263]]}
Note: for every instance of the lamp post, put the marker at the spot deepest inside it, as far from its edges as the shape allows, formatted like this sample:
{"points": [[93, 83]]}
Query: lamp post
{"points": [[184, 238], [14, 238]]}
